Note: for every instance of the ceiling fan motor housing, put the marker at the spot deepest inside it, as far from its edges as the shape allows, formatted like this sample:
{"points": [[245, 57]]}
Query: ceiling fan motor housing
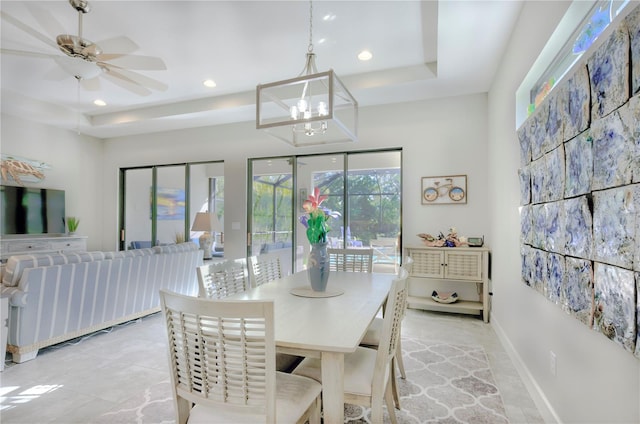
{"points": [[75, 46], [80, 5]]}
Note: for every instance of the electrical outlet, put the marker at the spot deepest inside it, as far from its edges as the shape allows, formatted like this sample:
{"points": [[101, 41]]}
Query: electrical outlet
{"points": [[552, 363]]}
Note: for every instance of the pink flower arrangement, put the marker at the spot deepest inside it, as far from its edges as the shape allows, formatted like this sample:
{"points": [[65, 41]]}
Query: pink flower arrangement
{"points": [[316, 219]]}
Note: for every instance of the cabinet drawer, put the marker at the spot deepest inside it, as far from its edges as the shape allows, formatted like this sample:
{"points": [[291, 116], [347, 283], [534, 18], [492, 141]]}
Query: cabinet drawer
{"points": [[28, 246], [68, 246]]}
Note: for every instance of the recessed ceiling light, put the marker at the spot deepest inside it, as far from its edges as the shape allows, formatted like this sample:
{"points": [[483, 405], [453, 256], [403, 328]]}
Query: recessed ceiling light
{"points": [[329, 17], [209, 83], [365, 55], [99, 102], [322, 41]]}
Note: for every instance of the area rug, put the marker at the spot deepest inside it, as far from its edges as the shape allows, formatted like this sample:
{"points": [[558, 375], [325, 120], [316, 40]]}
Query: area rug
{"points": [[446, 383]]}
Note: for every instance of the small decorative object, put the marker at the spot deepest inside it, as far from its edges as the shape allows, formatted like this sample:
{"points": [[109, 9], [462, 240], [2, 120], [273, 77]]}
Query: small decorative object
{"points": [[21, 169], [317, 228], [72, 224], [451, 240], [444, 190], [444, 297]]}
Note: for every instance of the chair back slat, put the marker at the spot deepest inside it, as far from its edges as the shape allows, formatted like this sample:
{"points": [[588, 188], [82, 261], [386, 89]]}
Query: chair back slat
{"points": [[264, 268], [222, 352], [223, 279], [350, 260]]}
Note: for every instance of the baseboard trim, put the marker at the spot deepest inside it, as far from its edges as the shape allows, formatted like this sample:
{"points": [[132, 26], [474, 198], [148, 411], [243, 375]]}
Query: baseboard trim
{"points": [[542, 403]]}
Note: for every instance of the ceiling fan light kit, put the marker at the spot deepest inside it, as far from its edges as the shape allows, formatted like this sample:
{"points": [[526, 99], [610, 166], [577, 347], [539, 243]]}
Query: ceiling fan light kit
{"points": [[313, 108]]}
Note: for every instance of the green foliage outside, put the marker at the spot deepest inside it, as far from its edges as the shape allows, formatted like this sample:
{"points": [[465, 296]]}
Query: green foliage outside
{"points": [[374, 204]]}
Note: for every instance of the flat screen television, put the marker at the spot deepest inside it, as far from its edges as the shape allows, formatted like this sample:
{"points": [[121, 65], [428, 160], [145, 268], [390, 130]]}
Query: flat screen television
{"points": [[31, 210]]}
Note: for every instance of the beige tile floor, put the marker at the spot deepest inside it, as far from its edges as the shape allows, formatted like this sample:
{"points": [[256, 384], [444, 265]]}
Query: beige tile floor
{"points": [[78, 381]]}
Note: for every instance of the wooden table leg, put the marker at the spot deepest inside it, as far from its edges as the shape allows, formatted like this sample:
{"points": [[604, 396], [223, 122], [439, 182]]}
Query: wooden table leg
{"points": [[333, 387]]}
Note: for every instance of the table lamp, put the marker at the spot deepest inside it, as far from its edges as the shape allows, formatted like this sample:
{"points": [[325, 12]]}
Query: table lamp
{"points": [[207, 223]]}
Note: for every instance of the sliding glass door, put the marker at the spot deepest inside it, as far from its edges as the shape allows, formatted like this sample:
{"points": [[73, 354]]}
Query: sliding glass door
{"points": [[364, 187], [158, 203], [270, 209]]}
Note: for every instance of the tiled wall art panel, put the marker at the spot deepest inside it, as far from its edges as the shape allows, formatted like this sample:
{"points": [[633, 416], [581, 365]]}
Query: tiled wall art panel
{"points": [[577, 290], [614, 226], [539, 272], [612, 151], [526, 257], [633, 26], [526, 225], [579, 165], [555, 278], [637, 353], [579, 228], [636, 242], [537, 170], [634, 119], [609, 74], [554, 125], [580, 197], [554, 175], [525, 185], [577, 115], [537, 134], [539, 222], [615, 304], [524, 139], [554, 227]]}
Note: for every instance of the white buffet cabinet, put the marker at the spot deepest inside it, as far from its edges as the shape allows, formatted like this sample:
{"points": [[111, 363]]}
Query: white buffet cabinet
{"points": [[464, 270], [27, 245]]}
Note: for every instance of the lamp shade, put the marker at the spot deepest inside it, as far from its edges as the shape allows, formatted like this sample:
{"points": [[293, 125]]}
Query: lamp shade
{"points": [[206, 221]]}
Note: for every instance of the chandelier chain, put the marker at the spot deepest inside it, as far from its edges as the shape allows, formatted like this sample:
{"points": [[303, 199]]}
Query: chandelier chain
{"points": [[310, 48]]}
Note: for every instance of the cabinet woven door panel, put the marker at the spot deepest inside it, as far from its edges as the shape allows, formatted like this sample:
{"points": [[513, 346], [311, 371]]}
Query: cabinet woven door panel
{"points": [[463, 265], [427, 264]]}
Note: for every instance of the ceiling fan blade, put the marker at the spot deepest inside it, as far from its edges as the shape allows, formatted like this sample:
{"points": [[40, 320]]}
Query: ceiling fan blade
{"points": [[135, 77], [122, 44], [91, 84], [46, 20], [26, 53], [126, 83], [34, 33], [143, 63]]}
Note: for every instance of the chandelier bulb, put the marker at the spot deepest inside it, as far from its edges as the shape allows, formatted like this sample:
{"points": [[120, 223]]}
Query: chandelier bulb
{"points": [[322, 109]]}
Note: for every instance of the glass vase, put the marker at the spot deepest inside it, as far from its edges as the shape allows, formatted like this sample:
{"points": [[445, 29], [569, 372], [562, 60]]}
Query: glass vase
{"points": [[318, 267]]}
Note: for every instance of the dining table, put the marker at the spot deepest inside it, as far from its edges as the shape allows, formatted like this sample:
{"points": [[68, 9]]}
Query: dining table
{"points": [[325, 325]]}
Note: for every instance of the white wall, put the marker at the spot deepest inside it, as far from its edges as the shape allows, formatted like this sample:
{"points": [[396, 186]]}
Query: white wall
{"points": [[75, 166], [430, 133], [597, 381]]}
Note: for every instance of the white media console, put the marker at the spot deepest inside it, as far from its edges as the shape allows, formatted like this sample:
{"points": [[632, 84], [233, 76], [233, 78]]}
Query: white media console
{"points": [[25, 245]]}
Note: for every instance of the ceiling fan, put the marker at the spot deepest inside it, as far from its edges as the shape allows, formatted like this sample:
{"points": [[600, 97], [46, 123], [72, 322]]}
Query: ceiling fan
{"points": [[88, 61]]}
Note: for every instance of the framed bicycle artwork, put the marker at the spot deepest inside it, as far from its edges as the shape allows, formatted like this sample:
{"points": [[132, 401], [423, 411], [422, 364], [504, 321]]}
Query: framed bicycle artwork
{"points": [[451, 189]]}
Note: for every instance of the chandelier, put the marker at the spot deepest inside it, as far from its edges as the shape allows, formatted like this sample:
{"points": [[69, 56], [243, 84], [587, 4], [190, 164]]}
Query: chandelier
{"points": [[313, 108]]}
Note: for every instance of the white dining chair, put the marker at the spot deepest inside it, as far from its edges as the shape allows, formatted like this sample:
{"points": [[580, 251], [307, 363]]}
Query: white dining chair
{"points": [[351, 260], [368, 372], [222, 279], [264, 268], [222, 364], [374, 334]]}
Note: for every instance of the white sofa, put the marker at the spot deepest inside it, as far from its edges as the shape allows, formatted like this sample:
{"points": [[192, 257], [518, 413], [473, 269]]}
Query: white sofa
{"points": [[58, 297]]}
